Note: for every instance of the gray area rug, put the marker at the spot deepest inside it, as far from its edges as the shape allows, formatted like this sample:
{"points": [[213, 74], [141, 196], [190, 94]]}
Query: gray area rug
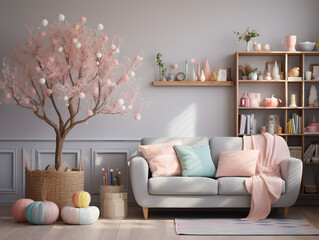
{"points": [[224, 226]]}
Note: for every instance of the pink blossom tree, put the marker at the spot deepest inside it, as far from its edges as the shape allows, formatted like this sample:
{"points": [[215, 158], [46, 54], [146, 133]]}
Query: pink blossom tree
{"points": [[74, 70]]}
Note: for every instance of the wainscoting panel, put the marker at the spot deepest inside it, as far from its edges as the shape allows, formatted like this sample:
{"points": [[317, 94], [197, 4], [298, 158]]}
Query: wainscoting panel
{"points": [[96, 153], [8, 171]]}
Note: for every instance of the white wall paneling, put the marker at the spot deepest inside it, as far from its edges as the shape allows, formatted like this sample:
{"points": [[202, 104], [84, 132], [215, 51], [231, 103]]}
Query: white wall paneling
{"points": [[8, 170], [96, 154]]}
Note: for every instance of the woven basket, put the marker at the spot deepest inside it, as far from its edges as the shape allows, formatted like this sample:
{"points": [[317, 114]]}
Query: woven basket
{"points": [[54, 186]]}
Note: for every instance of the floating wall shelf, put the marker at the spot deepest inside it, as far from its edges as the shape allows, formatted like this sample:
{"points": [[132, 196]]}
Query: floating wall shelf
{"points": [[194, 83]]}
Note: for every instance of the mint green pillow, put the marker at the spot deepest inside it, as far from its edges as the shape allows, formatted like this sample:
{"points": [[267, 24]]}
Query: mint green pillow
{"points": [[196, 161]]}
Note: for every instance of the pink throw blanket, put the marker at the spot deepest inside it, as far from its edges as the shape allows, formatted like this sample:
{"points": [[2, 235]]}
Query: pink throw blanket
{"points": [[265, 187]]}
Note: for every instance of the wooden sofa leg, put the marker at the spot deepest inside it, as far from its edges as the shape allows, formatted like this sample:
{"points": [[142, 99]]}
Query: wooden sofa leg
{"points": [[286, 211], [145, 213]]}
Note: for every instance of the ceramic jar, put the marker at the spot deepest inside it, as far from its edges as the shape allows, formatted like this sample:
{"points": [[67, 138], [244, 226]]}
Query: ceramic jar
{"points": [[244, 101]]}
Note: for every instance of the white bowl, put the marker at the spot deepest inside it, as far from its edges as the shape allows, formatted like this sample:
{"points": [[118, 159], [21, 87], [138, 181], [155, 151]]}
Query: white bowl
{"points": [[306, 46]]}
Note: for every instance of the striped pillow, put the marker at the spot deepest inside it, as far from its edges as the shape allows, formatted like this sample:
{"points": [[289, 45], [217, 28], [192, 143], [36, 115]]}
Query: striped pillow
{"points": [[162, 158]]}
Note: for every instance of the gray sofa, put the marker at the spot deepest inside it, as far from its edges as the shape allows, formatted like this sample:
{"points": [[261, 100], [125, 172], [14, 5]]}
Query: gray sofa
{"points": [[203, 192]]}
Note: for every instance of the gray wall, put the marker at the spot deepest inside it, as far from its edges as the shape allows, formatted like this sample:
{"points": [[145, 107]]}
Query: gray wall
{"points": [[180, 30]]}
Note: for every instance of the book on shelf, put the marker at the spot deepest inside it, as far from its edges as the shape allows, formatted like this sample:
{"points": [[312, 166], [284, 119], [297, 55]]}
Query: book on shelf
{"points": [[312, 151], [247, 124], [294, 124]]}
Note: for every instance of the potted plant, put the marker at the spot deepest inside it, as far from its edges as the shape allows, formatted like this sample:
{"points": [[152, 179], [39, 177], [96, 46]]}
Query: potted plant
{"points": [[161, 67], [246, 70], [246, 36], [75, 70]]}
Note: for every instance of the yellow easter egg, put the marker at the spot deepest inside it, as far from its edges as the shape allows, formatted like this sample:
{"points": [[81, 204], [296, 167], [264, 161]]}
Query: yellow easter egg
{"points": [[76, 26]]}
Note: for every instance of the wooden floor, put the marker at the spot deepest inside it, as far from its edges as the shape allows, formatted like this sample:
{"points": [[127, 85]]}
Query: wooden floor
{"points": [[159, 226]]}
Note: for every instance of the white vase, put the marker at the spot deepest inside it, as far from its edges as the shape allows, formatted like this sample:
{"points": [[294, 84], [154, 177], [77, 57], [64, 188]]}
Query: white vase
{"points": [[247, 46]]}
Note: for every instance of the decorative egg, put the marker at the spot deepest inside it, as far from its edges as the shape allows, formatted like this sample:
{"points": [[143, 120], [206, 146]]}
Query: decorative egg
{"points": [[61, 17], [51, 59], [96, 91], [97, 63], [74, 40], [123, 108], [29, 43], [175, 65], [78, 45], [42, 81], [73, 215], [137, 58], [120, 101], [37, 69], [26, 101], [76, 26], [108, 82], [60, 49], [49, 91], [130, 107], [7, 95], [18, 209], [81, 199], [137, 116], [126, 78], [55, 41], [115, 62], [66, 98], [105, 38], [113, 47], [33, 92], [98, 55], [40, 213], [83, 19], [89, 112], [117, 50], [82, 95], [100, 27], [43, 33], [44, 22], [132, 74]]}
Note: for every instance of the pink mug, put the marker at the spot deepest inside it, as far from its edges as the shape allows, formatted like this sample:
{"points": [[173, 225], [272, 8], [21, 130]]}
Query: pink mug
{"points": [[291, 43]]}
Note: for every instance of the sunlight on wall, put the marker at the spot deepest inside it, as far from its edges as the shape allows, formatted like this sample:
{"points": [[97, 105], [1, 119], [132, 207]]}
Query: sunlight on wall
{"points": [[184, 124]]}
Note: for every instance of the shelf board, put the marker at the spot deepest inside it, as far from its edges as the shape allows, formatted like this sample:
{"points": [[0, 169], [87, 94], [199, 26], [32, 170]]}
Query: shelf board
{"points": [[283, 134], [311, 107], [309, 194], [193, 83], [311, 81], [311, 163], [267, 108], [278, 53], [262, 81]]}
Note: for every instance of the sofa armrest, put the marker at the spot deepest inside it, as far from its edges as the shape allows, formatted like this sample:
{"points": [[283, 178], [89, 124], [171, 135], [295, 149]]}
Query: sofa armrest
{"points": [[291, 172], [139, 179]]}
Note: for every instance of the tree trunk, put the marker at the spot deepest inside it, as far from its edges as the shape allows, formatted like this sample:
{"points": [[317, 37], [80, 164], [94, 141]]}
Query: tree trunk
{"points": [[59, 143]]}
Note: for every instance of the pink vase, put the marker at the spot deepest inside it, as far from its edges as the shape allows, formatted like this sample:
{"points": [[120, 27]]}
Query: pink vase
{"points": [[291, 43], [207, 71]]}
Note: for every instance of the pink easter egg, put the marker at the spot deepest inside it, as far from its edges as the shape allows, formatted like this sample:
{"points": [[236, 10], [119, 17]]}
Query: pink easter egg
{"points": [[49, 91], [126, 78], [82, 95], [55, 41], [137, 116], [105, 38], [175, 66], [29, 43], [108, 82], [89, 112], [192, 60], [43, 33], [7, 95], [137, 58], [26, 101], [83, 19], [37, 69], [115, 62], [96, 91], [33, 92]]}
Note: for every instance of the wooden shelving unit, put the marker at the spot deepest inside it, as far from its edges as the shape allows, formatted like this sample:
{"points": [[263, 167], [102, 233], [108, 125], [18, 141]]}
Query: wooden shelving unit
{"points": [[303, 139], [194, 83]]}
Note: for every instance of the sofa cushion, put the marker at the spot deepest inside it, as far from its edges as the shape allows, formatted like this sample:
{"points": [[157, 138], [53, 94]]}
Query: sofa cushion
{"points": [[162, 158], [236, 186], [196, 161], [224, 144], [237, 163], [182, 186]]}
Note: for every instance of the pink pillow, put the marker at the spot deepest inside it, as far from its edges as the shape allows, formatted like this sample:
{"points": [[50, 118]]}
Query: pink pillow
{"points": [[162, 158], [237, 163]]}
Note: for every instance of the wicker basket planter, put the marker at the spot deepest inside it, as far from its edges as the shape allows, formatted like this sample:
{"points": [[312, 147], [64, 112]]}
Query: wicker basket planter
{"points": [[54, 186]]}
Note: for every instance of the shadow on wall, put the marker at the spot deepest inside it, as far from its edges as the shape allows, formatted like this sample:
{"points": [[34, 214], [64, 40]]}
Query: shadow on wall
{"points": [[184, 124]]}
